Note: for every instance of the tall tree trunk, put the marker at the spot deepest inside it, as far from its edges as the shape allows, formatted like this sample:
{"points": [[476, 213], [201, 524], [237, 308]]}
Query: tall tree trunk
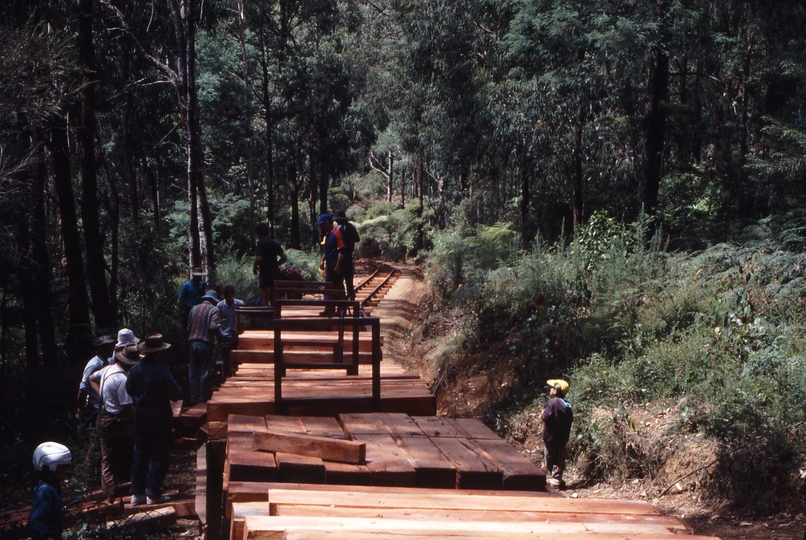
{"points": [[79, 343], [655, 113], [94, 240], [403, 188], [293, 185], [154, 188], [267, 117], [247, 120], [39, 252], [579, 200], [128, 166], [525, 196], [420, 175], [389, 187], [29, 300], [745, 191]]}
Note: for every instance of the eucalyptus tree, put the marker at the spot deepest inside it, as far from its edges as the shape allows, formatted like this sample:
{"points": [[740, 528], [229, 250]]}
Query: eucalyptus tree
{"points": [[172, 52]]}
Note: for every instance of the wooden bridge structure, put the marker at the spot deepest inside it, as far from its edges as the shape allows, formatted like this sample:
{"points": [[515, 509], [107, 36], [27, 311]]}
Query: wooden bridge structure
{"points": [[315, 436]]}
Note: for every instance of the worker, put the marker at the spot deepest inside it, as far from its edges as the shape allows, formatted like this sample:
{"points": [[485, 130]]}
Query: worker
{"points": [[350, 236], [46, 518], [190, 294], [87, 397], [229, 333], [153, 388], [115, 419], [204, 327], [557, 417], [333, 255], [269, 256]]}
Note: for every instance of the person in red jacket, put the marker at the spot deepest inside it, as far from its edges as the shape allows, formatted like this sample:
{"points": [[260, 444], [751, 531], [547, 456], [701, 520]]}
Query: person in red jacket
{"points": [[557, 417]]}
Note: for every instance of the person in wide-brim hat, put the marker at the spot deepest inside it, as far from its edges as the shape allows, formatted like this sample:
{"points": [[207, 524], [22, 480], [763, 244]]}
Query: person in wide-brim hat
{"points": [[152, 343], [128, 355]]}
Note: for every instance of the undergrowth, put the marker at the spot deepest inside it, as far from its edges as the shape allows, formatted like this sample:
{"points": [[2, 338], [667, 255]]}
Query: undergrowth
{"points": [[718, 333]]}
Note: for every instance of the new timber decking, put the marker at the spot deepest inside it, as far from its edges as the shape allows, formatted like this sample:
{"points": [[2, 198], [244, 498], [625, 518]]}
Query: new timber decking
{"points": [[331, 463]]}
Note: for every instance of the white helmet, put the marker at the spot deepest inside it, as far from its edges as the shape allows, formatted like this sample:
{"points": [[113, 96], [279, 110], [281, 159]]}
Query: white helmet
{"points": [[51, 455]]}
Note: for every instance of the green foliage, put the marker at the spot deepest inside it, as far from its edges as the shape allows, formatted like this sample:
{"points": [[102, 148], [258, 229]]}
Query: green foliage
{"points": [[390, 232], [720, 332], [237, 271], [307, 262]]}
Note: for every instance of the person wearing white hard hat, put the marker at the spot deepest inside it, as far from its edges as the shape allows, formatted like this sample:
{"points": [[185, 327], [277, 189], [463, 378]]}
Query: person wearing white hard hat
{"points": [[46, 519]]}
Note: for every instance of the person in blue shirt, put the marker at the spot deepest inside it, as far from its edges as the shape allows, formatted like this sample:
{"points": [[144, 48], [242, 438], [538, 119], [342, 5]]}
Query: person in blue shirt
{"points": [[46, 519], [190, 293], [229, 333]]}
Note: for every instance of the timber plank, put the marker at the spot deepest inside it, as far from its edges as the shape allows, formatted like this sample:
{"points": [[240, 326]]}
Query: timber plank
{"points": [[297, 468], [401, 425], [434, 426], [246, 463], [449, 535], [255, 524], [473, 428], [323, 426], [455, 500], [324, 448], [241, 423], [518, 472], [285, 424], [671, 523], [347, 474], [431, 468], [357, 424], [387, 462], [474, 470]]}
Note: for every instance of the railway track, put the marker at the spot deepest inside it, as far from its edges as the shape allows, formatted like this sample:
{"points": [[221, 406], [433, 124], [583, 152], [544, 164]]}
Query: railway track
{"points": [[371, 287]]}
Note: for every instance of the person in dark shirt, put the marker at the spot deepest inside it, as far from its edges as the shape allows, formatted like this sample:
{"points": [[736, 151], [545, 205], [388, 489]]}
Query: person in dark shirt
{"points": [[153, 388], [557, 417], [46, 519], [333, 254], [350, 237], [269, 255]]}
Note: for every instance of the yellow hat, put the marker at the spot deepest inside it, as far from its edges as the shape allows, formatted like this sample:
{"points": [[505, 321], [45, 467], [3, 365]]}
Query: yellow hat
{"points": [[559, 384]]}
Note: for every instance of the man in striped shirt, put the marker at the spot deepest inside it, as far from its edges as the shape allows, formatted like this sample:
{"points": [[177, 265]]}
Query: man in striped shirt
{"points": [[204, 325]]}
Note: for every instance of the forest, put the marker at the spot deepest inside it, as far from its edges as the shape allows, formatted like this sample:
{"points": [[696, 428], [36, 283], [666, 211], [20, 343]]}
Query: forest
{"points": [[607, 190]]}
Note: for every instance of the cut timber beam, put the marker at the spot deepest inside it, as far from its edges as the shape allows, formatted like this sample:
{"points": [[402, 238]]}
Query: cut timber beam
{"points": [[324, 448], [466, 500], [259, 527], [671, 523]]}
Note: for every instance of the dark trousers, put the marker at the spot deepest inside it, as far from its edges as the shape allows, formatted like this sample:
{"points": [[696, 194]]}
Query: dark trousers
{"points": [[117, 439], [338, 283], [555, 460], [152, 452], [348, 272], [200, 370]]}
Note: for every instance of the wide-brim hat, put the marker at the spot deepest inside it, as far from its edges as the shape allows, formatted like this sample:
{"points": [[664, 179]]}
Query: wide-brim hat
{"points": [[210, 295], [324, 218], [152, 343], [197, 271], [558, 384], [339, 215], [128, 355], [105, 340], [126, 337]]}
